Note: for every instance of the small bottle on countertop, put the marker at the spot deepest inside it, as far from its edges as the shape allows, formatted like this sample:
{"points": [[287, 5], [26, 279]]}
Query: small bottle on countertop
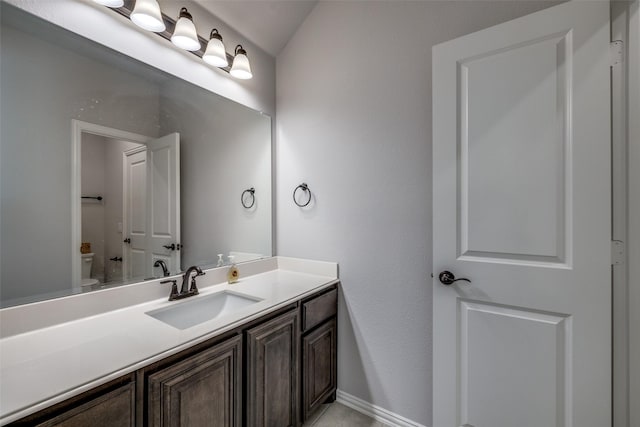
{"points": [[233, 274], [220, 261]]}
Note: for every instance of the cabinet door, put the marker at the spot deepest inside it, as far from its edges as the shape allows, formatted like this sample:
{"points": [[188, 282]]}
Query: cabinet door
{"points": [[272, 373], [201, 391], [114, 409], [319, 366]]}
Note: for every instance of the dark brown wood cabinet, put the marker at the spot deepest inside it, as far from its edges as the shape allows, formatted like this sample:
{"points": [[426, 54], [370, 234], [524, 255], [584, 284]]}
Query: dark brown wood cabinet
{"points": [[319, 350], [203, 390], [272, 372], [319, 370], [109, 405], [114, 409]]}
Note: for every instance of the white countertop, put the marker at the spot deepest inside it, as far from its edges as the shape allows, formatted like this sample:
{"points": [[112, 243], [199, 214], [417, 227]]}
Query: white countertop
{"points": [[44, 366]]}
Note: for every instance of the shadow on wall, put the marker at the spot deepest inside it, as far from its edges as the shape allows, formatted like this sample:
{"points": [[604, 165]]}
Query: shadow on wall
{"points": [[352, 365]]}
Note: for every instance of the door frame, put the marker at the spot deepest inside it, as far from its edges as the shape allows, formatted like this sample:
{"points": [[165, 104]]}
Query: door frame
{"points": [[625, 132], [619, 283], [632, 61], [79, 127]]}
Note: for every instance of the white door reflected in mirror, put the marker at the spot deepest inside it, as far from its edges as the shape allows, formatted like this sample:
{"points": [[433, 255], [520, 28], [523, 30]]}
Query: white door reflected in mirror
{"points": [[136, 220]]}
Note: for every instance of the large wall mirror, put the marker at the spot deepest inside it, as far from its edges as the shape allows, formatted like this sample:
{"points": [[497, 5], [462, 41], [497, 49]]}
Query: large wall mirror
{"points": [[112, 171]]}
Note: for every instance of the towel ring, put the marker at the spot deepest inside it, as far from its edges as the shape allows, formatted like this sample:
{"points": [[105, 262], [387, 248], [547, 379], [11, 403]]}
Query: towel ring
{"points": [[304, 188], [252, 194]]}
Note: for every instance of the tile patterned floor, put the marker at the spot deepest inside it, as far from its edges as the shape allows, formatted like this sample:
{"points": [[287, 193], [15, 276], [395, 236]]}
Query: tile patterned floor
{"points": [[338, 415]]}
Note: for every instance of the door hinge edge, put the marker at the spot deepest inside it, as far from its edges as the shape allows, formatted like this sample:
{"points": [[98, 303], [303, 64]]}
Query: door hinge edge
{"points": [[617, 252], [616, 52]]}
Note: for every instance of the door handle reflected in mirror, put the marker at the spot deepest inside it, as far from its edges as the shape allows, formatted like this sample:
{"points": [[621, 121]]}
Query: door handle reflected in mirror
{"points": [[447, 278], [170, 247]]}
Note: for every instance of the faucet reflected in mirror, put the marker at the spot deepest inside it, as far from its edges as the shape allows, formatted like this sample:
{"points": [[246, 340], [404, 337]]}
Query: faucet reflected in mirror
{"points": [[163, 265]]}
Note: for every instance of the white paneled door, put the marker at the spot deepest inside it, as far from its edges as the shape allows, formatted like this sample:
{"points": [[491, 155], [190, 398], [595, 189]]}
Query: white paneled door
{"points": [[135, 213], [521, 172], [163, 201], [152, 207]]}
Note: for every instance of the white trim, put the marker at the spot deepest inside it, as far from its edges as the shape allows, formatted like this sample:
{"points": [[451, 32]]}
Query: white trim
{"points": [[79, 127], [377, 413]]}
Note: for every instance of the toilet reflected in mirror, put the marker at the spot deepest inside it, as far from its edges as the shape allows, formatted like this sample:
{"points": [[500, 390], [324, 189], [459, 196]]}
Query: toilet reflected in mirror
{"points": [[87, 262]]}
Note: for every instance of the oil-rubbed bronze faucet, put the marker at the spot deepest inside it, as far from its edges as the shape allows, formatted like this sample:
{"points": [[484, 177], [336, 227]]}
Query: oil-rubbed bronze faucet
{"points": [[185, 290], [165, 270]]}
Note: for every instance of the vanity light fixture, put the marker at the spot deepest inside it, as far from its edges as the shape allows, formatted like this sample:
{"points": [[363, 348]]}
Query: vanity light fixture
{"points": [[215, 54], [185, 35], [241, 68], [110, 3], [146, 14]]}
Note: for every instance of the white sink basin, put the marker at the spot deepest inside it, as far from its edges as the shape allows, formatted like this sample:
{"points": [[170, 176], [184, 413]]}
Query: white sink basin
{"points": [[199, 309]]}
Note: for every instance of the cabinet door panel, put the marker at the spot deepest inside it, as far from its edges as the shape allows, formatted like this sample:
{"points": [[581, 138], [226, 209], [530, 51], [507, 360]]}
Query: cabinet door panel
{"points": [[272, 374], [114, 409], [319, 366], [203, 390]]}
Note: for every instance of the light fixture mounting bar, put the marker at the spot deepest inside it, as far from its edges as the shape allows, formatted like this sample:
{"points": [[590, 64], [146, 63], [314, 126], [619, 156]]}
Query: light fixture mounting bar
{"points": [[170, 24]]}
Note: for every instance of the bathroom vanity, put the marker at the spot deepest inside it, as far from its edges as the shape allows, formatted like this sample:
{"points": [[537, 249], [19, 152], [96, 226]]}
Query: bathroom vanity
{"points": [[271, 362]]}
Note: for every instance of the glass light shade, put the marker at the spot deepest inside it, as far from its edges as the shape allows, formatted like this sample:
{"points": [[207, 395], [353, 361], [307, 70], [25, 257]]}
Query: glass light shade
{"points": [[146, 14], [110, 3], [185, 35], [215, 54], [241, 68]]}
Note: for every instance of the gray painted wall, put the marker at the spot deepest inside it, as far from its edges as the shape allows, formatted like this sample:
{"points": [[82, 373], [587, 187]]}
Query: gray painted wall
{"points": [[354, 122], [36, 150], [224, 149]]}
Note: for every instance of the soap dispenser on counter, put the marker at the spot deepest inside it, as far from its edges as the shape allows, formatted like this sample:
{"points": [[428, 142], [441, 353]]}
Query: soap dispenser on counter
{"points": [[233, 274]]}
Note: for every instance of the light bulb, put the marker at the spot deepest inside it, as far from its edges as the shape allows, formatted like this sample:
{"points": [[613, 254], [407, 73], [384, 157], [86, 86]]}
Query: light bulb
{"points": [[110, 3], [241, 68], [146, 14], [215, 54], [185, 35]]}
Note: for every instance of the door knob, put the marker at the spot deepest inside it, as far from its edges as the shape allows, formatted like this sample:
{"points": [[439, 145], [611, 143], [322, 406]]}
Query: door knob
{"points": [[170, 247], [447, 278]]}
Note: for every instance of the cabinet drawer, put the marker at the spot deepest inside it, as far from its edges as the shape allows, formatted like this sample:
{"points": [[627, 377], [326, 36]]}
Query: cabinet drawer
{"points": [[319, 309]]}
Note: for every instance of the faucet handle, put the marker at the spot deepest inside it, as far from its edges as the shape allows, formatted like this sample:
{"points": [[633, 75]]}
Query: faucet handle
{"points": [[193, 289], [174, 288]]}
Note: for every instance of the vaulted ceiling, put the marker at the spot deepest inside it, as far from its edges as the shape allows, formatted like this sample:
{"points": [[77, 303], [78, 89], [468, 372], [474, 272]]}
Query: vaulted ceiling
{"points": [[267, 23]]}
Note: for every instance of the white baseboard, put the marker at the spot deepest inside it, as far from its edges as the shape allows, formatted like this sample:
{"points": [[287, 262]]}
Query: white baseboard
{"points": [[375, 412]]}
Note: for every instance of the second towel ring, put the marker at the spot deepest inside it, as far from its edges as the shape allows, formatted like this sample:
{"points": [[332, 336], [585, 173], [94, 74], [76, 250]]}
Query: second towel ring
{"points": [[252, 193], [304, 188]]}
